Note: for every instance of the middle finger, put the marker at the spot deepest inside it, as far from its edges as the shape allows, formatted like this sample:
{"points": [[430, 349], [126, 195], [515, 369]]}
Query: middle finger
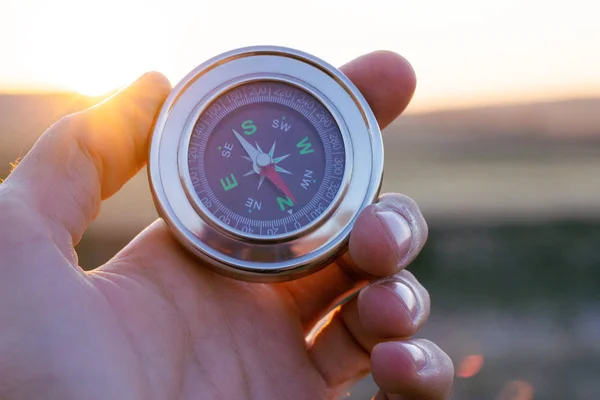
{"points": [[388, 309]]}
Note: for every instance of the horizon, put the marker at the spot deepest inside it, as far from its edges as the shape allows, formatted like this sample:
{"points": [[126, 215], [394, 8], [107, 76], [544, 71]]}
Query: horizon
{"points": [[433, 107], [465, 54]]}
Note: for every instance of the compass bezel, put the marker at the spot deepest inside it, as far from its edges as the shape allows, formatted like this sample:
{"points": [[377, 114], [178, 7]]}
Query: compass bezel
{"points": [[206, 102], [261, 259]]}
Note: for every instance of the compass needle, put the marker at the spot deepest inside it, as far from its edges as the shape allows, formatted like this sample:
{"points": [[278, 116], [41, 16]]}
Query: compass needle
{"points": [[279, 159], [272, 151], [271, 173], [251, 151], [260, 182], [285, 171], [256, 215]]}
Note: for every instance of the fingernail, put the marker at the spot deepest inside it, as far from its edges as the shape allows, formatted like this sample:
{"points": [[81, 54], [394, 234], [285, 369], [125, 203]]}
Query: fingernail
{"points": [[404, 294], [417, 354], [398, 230]]}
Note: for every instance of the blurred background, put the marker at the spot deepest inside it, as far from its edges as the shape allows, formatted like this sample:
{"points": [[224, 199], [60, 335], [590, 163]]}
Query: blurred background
{"points": [[500, 148]]}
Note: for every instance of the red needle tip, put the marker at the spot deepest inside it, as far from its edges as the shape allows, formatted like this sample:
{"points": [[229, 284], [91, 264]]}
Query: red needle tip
{"points": [[270, 172]]}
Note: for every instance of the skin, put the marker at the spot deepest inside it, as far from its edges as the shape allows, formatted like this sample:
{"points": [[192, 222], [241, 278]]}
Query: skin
{"points": [[153, 323]]}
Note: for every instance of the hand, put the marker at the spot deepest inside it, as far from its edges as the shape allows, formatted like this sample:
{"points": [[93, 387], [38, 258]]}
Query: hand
{"points": [[153, 323]]}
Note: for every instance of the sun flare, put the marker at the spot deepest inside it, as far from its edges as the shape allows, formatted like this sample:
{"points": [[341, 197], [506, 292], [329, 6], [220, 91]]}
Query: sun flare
{"points": [[93, 88], [93, 78], [96, 53]]}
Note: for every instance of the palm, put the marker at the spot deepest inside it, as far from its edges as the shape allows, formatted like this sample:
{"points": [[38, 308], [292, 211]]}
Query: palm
{"points": [[170, 330], [249, 333], [215, 336], [153, 323]]}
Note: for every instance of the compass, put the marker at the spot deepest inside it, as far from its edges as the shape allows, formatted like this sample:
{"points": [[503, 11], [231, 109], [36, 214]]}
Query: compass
{"points": [[261, 160]]}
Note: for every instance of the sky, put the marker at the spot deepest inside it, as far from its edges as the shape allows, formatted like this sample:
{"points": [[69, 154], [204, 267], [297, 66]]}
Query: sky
{"points": [[465, 52]]}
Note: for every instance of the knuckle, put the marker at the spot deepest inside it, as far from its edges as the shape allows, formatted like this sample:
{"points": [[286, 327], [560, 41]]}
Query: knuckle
{"points": [[69, 124], [75, 136], [69, 135], [19, 223]]}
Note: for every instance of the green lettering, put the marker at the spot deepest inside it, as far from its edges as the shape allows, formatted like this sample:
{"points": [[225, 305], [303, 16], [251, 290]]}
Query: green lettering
{"points": [[227, 183], [305, 145], [284, 202], [249, 127]]}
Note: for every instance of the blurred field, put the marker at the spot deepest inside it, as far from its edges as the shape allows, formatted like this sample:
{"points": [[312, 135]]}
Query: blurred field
{"points": [[512, 197]]}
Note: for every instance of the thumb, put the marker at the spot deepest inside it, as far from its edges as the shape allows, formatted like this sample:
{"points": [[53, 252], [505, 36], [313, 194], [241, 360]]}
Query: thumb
{"points": [[87, 156]]}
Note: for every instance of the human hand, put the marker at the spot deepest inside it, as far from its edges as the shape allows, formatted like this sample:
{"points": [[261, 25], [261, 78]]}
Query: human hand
{"points": [[153, 323]]}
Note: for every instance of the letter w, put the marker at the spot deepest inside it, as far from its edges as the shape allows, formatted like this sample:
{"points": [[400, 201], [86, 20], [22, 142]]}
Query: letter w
{"points": [[305, 145]]}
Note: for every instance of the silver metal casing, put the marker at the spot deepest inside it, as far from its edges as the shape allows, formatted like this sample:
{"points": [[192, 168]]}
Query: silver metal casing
{"points": [[251, 257]]}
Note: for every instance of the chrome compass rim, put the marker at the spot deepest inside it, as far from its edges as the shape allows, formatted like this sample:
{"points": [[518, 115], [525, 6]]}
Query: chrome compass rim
{"points": [[252, 257]]}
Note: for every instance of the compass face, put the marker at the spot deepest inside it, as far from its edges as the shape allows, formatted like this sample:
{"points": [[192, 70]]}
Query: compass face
{"points": [[261, 160], [266, 159]]}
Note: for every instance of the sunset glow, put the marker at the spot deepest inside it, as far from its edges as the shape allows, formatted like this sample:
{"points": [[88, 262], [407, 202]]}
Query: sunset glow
{"points": [[93, 88], [96, 53], [465, 52]]}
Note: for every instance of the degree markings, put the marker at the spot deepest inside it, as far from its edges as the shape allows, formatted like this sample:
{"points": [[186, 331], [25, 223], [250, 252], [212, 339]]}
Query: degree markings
{"points": [[212, 121]]}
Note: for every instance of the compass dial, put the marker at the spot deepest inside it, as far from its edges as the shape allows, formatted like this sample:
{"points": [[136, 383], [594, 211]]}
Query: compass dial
{"points": [[262, 159], [266, 159]]}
